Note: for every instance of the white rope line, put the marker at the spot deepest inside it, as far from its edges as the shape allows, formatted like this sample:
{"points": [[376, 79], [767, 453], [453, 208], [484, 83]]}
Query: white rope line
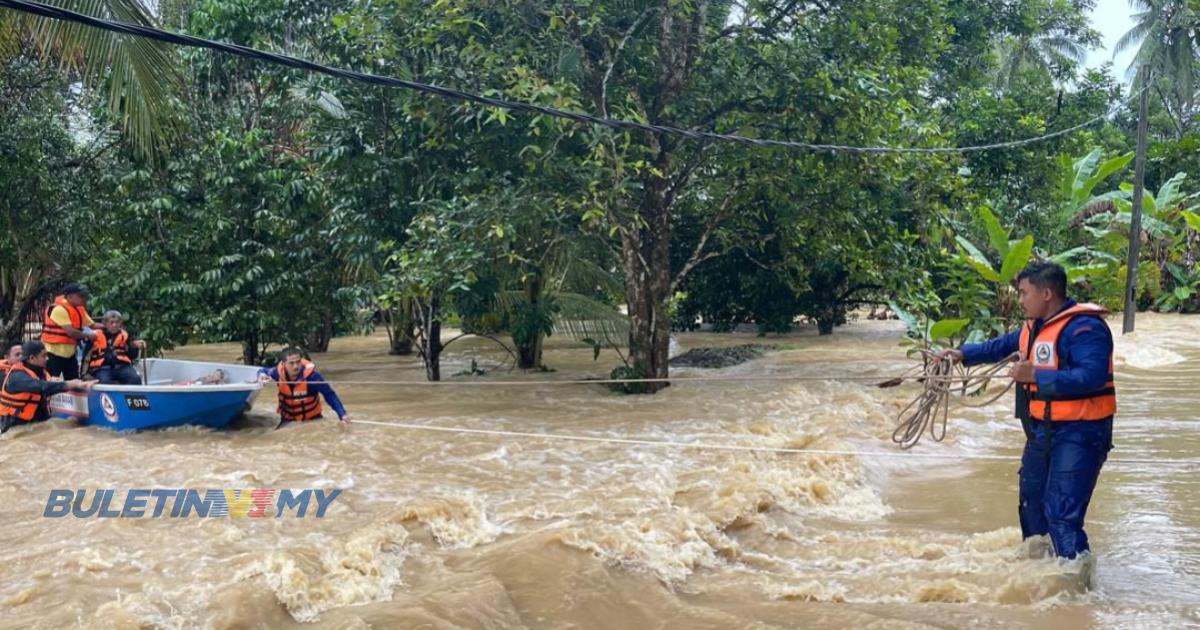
{"points": [[878, 378], [738, 447]]}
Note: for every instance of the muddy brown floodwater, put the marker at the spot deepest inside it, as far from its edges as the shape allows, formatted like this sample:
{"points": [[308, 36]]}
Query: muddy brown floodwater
{"points": [[437, 530]]}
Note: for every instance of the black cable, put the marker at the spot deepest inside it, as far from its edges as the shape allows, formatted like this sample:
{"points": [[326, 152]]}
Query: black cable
{"points": [[48, 11]]}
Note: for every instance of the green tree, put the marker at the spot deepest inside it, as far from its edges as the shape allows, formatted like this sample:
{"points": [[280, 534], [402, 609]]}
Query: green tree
{"points": [[138, 77], [53, 181], [1167, 36]]}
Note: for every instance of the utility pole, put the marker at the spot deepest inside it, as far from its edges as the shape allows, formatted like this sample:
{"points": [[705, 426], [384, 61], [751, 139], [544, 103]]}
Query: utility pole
{"points": [[1135, 221]]}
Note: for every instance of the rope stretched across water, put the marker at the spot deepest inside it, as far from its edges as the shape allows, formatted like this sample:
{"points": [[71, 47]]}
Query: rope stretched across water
{"points": [[865, 454], [832, 378]]}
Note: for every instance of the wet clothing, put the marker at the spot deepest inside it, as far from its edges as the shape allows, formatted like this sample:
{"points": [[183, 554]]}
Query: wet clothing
{"points": [[1063, 457], [25, 388], [1055, 491], [66, 368], [314, 385], [297, 402], [122, 374]]}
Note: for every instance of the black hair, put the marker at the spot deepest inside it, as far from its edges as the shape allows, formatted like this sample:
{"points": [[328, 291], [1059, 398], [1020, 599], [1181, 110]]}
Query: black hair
{"points": [[32, 348], [1046, 275], [290, 351]]}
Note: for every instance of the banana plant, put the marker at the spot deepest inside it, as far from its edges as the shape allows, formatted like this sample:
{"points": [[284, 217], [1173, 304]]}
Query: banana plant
{"points": [[1192, 219], [1080, 178], [1187, 288], [1014, 254], [1169, 222], [927, 333], [1164, 215]]}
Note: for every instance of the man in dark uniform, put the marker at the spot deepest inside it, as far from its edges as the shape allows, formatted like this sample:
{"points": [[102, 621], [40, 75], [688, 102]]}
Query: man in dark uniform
{"points": [[1065, 399], [26, 392]]}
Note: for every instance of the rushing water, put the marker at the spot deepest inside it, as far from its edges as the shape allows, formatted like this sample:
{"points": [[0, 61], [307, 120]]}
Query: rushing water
{"points": [[440, 530]]}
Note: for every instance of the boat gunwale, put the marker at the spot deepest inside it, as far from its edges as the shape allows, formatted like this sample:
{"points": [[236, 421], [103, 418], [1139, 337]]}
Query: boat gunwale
{"points": [[176, 389]]}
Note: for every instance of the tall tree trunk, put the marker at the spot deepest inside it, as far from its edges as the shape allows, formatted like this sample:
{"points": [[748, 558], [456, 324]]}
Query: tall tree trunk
{"points": [[529, 351], [401, 329], [431, 342], [402, 338], [646, 252], [318, 340], [645, 240], [250, 353]]}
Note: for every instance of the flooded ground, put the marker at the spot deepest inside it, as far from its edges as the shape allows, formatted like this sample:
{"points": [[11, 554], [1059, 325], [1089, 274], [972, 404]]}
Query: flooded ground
{"points": [[437, 530]]}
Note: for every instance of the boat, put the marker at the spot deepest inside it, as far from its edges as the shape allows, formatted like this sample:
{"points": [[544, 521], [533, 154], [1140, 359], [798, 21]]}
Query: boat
{"points": [[174, 393]]}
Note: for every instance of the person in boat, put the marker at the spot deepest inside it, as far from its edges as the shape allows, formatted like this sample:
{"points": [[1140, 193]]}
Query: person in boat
{"points": [[65, 324], [114, 352], [11, 358], [301, 388], [1066, 400], [27, 389]]}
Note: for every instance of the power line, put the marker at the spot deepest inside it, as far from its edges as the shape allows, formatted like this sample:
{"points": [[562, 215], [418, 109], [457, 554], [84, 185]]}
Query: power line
{"points": [[48, 11]]}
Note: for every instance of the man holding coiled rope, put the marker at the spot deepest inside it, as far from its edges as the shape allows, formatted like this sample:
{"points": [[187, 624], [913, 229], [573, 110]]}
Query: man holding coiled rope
{"points": [[1065, 400]]}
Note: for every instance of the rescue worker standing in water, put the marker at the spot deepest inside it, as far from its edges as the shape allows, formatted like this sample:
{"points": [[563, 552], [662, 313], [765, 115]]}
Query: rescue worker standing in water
{"points": [[26, 391], [1065, 399], [300, 389]]}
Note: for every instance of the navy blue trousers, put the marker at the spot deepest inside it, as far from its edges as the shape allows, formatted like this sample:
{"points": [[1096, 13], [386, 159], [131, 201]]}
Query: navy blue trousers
{"points": [[122, 374], [1055, 490]]}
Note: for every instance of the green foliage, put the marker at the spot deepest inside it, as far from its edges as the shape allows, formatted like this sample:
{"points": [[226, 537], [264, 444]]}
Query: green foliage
{"points": [[629, 373], [53, 187], [1184, 295], [1109, 289], [137, 77], [225, 245], [296, 207]]}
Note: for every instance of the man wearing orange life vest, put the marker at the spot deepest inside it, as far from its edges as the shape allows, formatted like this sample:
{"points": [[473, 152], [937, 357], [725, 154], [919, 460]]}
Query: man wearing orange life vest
{"points": [[65, 324], [113, 353], [1065, 399], [26, 390], [300, 389]]}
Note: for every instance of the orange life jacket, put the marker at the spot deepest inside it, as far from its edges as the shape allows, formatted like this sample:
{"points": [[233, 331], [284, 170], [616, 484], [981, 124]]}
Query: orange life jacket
{"points": [[52, 332], [1042, 351], [296, 400], [120, 347], [22, 405], [6, 365]]}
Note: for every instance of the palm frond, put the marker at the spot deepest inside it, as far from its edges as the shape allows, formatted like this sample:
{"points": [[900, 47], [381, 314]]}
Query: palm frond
{"points": [[580, 317], [139, 75], [9, 42], [1063, 47], [1134, 36], [577, 316]]}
